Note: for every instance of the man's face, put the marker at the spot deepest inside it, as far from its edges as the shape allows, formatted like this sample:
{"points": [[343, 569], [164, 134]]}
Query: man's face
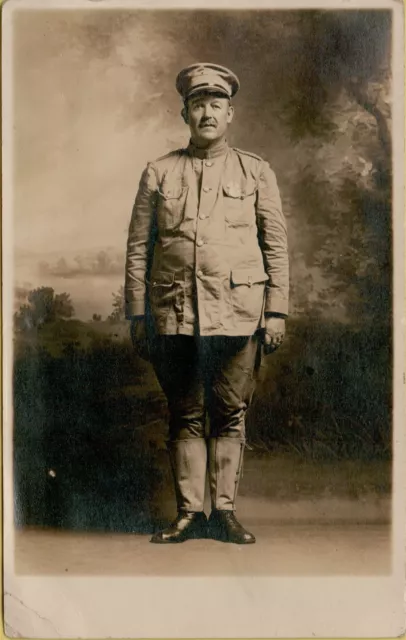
{"points": [[208, 117]]}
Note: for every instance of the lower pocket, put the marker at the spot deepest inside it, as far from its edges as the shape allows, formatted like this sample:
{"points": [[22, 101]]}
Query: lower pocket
{"points": [[247, 293], [167, 298]]}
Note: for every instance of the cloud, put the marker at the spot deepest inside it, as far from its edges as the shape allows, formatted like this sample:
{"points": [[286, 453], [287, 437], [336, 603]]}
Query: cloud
{"points": [[105, 262]]}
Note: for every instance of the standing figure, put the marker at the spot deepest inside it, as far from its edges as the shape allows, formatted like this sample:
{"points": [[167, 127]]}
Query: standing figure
{"points": [[206, 287]]}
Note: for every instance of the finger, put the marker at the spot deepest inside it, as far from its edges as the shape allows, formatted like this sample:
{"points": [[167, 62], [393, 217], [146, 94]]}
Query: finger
{"points": [[272, 343], [269, 348]]}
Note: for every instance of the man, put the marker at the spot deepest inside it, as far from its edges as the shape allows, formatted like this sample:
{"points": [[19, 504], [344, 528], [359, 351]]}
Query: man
{"points": [[206, 282]]}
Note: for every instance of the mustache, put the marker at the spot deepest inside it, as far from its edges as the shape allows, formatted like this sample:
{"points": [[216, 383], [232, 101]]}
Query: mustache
{"points": [[207, 121]]}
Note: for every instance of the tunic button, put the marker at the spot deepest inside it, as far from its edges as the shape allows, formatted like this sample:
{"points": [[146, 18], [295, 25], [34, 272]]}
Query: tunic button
{"points": [[202, 216], [200, 273], [206, 189], [209, 164], [200, 243]]}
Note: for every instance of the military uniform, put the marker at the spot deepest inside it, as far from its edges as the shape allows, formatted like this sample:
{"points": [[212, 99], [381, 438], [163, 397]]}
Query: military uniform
{"points": [[206, 260]]}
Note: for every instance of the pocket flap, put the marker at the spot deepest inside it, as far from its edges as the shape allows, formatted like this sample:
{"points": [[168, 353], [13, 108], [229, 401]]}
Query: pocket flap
{"points": [[248, 276], [171, 193], [239, 190], [163, 279]]}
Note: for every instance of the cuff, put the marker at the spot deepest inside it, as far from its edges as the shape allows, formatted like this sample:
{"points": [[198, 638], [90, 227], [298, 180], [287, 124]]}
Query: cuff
{"points": [[274, 314], [134, 308], [274, 304]]}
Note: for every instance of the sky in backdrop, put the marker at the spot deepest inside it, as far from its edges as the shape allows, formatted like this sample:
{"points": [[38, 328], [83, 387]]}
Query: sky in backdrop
{"points": [[94, 100]]}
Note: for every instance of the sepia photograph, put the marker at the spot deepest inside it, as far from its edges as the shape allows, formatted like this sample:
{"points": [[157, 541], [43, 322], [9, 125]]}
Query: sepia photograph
{"points": [[203, 283]]}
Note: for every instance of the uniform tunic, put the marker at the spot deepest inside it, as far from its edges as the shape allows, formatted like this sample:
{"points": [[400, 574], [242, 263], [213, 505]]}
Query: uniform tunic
{"points": [[207, 240]]}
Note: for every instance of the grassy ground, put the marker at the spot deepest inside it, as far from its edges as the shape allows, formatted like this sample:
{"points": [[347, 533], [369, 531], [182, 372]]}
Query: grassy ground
{"points": [[289, 477], [90, 425]]}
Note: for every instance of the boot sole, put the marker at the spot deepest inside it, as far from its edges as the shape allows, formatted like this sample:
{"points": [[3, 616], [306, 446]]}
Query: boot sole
{"points": [[194, 536], [227, 541], [220, 537]]}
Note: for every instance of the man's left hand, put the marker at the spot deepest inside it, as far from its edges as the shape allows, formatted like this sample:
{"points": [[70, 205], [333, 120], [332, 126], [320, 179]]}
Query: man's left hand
{"points": [[274, 334]]}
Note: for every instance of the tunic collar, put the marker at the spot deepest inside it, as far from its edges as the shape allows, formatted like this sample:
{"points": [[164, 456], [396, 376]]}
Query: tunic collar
{"points": [[217, 150]]}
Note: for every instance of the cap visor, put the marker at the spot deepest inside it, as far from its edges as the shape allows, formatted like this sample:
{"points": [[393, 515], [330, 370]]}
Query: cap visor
{"points": [[207, 89]]}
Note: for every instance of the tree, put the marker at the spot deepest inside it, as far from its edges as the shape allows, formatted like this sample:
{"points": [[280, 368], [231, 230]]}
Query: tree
{"points": [[118, 313], [340, 102], [63, 307], [43, 307], [96, 317]]}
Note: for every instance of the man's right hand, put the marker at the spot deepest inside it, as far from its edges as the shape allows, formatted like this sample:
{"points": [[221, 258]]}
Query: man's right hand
{"points": [[138, 331]]}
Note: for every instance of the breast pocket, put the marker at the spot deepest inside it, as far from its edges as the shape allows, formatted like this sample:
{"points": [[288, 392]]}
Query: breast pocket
{"points": [[171, 206], [239, 203]]}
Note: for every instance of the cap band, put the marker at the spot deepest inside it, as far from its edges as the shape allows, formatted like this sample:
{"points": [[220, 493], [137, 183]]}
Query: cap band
{"points": [[204, 77]]}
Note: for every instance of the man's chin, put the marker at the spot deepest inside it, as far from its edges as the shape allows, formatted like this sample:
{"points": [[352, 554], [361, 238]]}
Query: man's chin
{"points": [[208, 129], [208, 135]]}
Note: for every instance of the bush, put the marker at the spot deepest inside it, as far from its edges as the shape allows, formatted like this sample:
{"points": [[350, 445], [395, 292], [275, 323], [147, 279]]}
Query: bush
{"points": [[327, 393]]}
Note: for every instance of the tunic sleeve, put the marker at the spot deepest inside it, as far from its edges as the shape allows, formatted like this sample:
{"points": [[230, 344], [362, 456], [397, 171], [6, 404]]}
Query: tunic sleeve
{"points": [[272, 235], [140, 243]]}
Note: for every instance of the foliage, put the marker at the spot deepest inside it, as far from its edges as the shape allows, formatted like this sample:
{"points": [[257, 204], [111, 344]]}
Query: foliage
{"points": [[341, 100], [328, 379], [118, 313], [44, 306], [327, 394], [74, 435]]}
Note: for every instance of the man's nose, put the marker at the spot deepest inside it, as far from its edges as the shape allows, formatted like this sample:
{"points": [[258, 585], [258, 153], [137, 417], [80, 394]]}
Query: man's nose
{"points": [[208, 111]]}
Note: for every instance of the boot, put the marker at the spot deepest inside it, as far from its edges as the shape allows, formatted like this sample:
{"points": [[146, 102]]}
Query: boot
{"points": [[189, 463], [187, 526], [225, 467]]}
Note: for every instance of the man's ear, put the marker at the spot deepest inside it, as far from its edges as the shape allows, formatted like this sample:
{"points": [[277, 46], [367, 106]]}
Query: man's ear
{"points": [[185, 115], [230, 114]]}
